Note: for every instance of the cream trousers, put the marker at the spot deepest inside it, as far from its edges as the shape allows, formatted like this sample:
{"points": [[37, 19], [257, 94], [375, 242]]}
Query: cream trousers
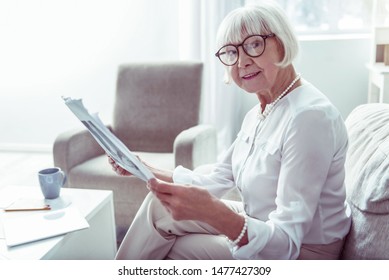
{"points": [[155, 235]]}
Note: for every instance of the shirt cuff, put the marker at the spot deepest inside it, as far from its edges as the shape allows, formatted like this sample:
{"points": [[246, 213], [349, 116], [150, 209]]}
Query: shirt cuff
{"points": [[182, 175]]}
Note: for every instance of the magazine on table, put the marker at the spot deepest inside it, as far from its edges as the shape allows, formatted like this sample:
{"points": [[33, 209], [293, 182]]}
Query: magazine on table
{"points": [[108, 141]]}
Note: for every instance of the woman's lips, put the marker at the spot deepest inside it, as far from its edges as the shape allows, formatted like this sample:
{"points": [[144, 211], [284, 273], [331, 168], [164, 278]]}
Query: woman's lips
{"points": [[251, 75]]}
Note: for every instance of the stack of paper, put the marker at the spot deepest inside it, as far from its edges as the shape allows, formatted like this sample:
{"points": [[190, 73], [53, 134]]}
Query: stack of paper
{"points": [[25, 228]]}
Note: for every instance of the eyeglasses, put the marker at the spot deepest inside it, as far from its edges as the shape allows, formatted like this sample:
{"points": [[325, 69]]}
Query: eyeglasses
{"points": [[253, 46]]}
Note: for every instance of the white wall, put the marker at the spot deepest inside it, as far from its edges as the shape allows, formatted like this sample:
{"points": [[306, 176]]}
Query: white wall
{"points": [[335, 65], [73, 48]]}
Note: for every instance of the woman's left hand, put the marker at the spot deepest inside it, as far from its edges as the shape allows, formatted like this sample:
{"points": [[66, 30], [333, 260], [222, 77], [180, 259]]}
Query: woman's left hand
{"points": [[184, 202]]}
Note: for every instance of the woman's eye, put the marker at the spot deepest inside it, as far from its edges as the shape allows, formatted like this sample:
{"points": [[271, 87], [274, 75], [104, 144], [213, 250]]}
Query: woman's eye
{"points": [[231, 52], [254, 45]]}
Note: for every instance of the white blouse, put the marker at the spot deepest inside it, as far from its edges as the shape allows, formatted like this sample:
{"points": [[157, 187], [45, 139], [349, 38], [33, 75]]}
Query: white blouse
{"points": [[290, 171]]}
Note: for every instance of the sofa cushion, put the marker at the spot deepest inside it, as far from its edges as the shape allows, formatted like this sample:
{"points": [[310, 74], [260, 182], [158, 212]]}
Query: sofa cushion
{"points": [[367, 159], [367, 182]]}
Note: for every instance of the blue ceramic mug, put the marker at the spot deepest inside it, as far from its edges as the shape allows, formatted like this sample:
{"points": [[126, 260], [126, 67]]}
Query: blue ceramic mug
{"points": [[51, 180]]}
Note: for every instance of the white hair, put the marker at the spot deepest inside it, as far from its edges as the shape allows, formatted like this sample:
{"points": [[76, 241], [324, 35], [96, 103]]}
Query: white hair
{"points": [[263, 18]]}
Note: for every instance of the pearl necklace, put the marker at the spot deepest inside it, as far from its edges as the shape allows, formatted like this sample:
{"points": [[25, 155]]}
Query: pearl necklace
{"points": [[269, 107]]}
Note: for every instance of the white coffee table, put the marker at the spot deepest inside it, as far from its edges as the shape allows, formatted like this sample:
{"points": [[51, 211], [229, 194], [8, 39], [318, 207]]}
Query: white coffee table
{"points": [[96, 242]]}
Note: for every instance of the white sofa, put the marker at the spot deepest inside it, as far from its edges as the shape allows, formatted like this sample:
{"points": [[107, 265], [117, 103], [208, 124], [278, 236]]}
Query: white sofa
{"points": [[367, 182]]}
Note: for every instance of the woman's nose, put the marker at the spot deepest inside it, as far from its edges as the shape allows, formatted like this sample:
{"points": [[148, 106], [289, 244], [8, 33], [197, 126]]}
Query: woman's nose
{"points": [[243, 60]]}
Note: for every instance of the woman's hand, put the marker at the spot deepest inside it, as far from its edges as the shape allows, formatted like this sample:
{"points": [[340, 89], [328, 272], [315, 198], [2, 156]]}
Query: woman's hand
{"points": [[119, 170], [184, 202], [194, 203]]}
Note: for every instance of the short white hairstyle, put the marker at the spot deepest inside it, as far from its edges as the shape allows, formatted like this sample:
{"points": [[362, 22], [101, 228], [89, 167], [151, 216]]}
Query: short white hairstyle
{"points": [[263, 18]]}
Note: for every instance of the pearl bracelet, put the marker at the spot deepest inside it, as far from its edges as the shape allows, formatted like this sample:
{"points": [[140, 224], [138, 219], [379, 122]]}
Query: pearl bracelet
{"points": [[239, 238]]}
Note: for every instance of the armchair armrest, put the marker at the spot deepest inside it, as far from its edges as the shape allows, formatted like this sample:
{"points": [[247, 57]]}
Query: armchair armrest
{"points": [[195, 146], [74, 147]]}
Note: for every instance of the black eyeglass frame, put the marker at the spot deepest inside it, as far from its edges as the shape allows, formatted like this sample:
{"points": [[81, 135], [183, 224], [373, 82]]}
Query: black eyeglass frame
{"points": [[264, 37]]}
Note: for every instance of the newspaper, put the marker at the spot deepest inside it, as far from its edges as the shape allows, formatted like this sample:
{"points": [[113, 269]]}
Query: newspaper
{"points": [[108, 141]]}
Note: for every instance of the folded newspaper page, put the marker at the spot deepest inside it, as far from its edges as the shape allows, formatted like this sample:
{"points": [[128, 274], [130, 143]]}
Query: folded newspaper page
{"points": [[108, 141]]}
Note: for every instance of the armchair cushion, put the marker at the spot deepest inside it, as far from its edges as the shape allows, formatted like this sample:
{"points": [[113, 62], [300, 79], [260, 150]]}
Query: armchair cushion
{"points": [[156, 101]]}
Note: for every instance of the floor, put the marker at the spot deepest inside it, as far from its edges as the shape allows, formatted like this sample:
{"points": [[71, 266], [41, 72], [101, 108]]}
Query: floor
{"points": [[20, 168]]}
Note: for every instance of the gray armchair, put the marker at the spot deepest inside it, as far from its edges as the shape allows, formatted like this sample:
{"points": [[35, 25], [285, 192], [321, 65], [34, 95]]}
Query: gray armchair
{"points": [[156, 115]]}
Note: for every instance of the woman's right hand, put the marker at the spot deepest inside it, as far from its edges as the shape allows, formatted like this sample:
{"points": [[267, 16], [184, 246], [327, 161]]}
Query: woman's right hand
{"points": [[118, 169]]}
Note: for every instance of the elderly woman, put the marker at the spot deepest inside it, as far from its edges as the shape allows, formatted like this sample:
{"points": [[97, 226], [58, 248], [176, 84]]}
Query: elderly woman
{"points": [[287, 163]]}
